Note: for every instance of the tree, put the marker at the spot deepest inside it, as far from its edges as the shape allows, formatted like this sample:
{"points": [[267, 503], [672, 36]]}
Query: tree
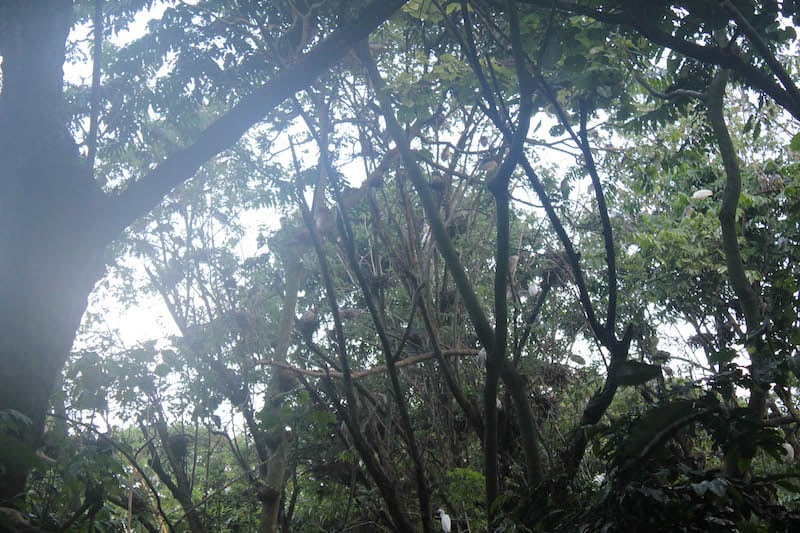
{"points": [[57, 220], [467, 316]]}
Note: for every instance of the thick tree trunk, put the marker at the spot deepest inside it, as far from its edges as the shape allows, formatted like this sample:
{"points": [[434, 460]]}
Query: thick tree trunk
{"points": [[38, 318], [49, 261]]}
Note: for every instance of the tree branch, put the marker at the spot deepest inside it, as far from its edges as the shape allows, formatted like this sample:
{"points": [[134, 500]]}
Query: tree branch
{"points": [[447, 249], [672, 95], [763, 49], [97, 61], [730, 203], [638, 16], [608, 233], [380, 369], [748, 299], [348, 414], [146, 193]]}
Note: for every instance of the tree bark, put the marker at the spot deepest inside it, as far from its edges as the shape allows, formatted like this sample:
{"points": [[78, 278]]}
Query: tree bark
{"points": [[737, 460], [50, 250]]}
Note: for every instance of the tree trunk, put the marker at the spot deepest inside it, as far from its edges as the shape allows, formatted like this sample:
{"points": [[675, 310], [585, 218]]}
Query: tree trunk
{"points": [[49, 259], [739, 457], [281, 383]]}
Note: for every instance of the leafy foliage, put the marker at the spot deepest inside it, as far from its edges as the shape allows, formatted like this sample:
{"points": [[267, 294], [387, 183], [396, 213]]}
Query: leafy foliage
{"points": [[479, 266]]}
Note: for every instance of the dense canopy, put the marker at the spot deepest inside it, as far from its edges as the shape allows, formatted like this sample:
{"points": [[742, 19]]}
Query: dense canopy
{"points": [[530, 265]]}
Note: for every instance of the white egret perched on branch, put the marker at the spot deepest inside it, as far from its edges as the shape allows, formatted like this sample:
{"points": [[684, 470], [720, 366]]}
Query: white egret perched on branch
{"points": [[702, 194], [789, 452], [445, 518], [533, 289]]}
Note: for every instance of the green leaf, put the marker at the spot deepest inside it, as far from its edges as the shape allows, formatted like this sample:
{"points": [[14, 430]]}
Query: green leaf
{"points": [[725, 355], [700, 488], [656, 494], [16, 453], [552, 53], [161, 370], [795, 144], [631, 373], [575, 358], [654, 428], [575, 62], [717, 487]]}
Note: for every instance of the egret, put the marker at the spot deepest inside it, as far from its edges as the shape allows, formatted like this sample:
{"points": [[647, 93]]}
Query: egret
{"points": [[789, 452], [701, 194], [533, 289], [426, 233], [482, 358], [445, 518]]}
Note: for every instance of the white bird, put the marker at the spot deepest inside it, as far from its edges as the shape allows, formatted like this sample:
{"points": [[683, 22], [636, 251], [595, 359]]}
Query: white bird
{"points": [[445, 518], [533, 289], [789, 452], [426, 235], [482, 358], [701, 194]]}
